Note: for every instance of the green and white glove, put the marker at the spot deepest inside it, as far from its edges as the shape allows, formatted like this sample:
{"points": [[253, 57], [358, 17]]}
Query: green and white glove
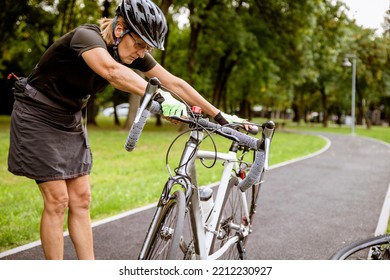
{"points": [[232, 118], [223, 118], [170, 106]]}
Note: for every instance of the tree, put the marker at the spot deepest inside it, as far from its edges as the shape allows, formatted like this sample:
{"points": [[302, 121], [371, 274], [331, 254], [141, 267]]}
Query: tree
{"points": [[372, 53], [280, 54]]}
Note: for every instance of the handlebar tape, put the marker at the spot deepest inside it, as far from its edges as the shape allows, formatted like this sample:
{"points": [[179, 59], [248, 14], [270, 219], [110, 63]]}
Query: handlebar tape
{"points": [[243, 139], [136, 130], [139, 124], [255, 172]]}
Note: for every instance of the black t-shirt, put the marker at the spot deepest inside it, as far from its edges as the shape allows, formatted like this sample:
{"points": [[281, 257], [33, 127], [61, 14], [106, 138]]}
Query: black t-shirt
{"points": [[62, 74]]}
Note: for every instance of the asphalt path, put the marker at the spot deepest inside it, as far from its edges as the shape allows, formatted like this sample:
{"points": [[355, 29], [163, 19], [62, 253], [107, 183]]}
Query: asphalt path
{"points": [[307, 209]]}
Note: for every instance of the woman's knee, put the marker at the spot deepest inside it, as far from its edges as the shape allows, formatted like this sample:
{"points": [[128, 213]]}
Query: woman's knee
{"points": [[57, 206], [81, 200], [79, 193], [55, 196]]}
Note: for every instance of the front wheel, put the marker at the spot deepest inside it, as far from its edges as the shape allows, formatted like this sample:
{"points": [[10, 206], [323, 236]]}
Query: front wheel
{"points": [[165, 238], [375, 248]]}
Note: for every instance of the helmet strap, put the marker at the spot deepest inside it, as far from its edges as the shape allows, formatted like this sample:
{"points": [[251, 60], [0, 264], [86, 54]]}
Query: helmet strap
{"points": [[117, 40]]}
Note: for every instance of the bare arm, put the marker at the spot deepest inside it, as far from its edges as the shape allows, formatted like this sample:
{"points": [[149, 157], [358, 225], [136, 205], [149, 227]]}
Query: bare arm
{"points": [[118, 75], [182, 88], [125, 79]]}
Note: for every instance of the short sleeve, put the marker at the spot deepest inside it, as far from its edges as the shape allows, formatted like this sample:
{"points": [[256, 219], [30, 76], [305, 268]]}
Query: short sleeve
{"points": [[144, 64], [86, 38]]}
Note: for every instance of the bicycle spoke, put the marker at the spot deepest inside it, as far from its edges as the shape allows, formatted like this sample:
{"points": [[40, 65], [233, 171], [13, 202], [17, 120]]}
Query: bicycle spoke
{"points": [[165, 241]]}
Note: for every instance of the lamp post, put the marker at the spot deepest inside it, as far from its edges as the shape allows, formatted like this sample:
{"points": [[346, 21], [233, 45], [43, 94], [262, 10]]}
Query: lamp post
{"points": [[347, 63]]}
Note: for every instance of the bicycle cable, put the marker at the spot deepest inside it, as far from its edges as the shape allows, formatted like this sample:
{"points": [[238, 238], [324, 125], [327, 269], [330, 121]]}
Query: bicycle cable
{"points": [[197, 127], [193, 153]]}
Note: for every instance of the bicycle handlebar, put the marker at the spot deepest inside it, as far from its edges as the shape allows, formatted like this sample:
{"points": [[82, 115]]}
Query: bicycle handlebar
{"points": [[254, 174], [142, 114], [261, 161], [155, 107]]}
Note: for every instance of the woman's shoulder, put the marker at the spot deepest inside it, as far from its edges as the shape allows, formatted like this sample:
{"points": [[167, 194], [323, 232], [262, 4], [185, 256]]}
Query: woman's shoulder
{"points": [[87, 36], [89, 30], [89, 26]]}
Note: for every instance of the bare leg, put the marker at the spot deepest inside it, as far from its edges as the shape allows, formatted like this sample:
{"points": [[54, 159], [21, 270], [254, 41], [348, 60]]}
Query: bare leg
{"points": [[79, 221], [55, 196]]}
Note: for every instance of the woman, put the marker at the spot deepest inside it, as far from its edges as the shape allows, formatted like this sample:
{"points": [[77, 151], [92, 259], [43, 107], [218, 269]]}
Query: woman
{"points": [[48, 140]]}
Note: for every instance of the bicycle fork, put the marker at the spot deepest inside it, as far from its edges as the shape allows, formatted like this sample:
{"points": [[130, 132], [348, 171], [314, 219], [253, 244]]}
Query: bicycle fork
{"points": [[185, 171]]}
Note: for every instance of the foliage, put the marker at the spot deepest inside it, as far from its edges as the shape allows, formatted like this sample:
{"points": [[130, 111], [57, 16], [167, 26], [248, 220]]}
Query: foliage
{"points": [[281, 54]]}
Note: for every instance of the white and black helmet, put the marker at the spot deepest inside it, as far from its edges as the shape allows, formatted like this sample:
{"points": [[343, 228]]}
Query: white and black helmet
{"points": [[145, 19]]}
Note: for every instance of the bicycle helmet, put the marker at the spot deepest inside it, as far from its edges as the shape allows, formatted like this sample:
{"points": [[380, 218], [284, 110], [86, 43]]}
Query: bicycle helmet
{"points": [[145, 19]]}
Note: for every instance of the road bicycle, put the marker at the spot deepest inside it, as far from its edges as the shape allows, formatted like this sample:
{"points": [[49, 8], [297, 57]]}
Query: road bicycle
{"points": [[374, 248], [194, 222]]}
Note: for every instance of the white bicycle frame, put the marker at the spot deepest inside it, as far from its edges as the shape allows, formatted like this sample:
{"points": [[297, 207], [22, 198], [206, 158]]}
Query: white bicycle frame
{"points": [[186, 177], [205, 234]]}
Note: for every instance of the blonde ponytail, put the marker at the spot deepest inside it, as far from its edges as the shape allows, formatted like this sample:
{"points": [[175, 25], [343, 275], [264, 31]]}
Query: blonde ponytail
{"points": [[107, 28]]}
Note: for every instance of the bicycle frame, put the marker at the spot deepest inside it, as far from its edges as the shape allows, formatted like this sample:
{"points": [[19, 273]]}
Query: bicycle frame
{"points": [[186, 177], [205, 239], [205, 235]]}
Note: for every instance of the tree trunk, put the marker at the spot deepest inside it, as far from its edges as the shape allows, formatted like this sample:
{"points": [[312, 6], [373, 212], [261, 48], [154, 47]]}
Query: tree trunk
{"points": [[164, 8], [362, 111], [193, 44], [70, 24], [245, 109], [106, 9], [67, 15], [195, 29], [224, 70], [115, 101], [91, 111]]}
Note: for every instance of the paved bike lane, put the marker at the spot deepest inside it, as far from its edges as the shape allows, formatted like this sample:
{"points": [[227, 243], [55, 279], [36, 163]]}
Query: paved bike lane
{"points": [[307, 209]]}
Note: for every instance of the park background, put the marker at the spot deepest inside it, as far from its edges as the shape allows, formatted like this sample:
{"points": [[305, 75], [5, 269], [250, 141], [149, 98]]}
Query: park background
{"points": [[268, 59]]}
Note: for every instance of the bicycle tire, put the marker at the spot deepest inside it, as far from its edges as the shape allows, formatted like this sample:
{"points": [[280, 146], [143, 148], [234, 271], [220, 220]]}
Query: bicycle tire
{"points": [[165, 240], [232, 212], [374, 248]]}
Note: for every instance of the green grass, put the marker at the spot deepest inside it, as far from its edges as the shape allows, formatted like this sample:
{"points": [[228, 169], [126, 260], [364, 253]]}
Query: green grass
{"points": [[120, 180], [378, 132]]}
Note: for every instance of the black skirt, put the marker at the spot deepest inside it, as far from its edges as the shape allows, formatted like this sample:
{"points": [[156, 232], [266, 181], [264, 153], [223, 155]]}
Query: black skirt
{"points": [[47, 144]]}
